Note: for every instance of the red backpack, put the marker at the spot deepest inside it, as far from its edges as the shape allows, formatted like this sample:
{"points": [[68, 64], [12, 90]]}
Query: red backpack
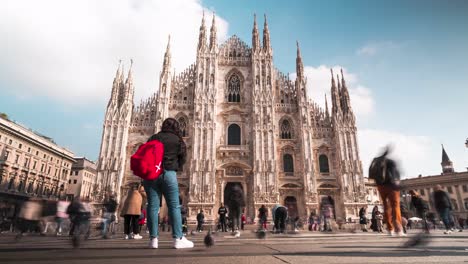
{"points": [[146, 163]]}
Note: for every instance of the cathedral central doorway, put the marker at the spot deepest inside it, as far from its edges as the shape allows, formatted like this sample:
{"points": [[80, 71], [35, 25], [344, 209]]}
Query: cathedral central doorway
{"points": [[290, 202], [328, 203], [228, 190]]}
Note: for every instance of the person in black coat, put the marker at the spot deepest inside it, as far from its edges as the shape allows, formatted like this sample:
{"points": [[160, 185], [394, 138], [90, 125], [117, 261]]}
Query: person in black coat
{"points": [[363, 219], [421, 207], [374, 219], [236, 202], [200, 221], [222, 212], [443, 206]]}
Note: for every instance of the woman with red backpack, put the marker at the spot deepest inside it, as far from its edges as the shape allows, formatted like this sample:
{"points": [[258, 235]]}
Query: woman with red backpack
{"points": [[166, 184]]}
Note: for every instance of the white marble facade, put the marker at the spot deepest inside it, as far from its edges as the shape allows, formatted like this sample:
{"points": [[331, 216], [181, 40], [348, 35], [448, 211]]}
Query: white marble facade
{"points": [[244, 123]]}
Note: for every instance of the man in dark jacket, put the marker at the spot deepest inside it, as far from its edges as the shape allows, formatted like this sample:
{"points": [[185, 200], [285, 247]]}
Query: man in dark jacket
{"points": [[389, 191], [262, 216], [421, 207], [200, 220], [443, 206], [235, 203], [110, 206], [222, 211]]}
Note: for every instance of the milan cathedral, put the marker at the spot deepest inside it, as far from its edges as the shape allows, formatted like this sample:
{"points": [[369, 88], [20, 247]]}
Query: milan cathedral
{"points": [[245, 123]]}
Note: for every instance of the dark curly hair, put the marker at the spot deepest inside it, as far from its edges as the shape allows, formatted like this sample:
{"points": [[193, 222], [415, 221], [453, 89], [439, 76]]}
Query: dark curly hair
{"points": [[172, 126]]}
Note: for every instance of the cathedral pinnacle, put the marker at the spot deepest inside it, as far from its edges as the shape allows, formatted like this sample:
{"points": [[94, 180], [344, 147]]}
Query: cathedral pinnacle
{"points": [[335, 93], [202, 34], [167, 55], [213, 33], [130, 75], [266, 36], [299, 64], [118, 73], [327, 114], [255, 36]]}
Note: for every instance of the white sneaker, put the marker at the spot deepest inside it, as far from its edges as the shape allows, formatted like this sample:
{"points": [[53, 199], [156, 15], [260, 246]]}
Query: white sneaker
{"points": [[237, 234], [127, 237], [154, 242], [182, 243], [448, 232], [391, 233], [401, 234], [137, 236], [296, 230]]}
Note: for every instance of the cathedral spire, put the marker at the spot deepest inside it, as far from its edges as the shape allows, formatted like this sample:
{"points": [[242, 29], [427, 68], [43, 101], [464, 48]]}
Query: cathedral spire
{"points": [[327, 114], [346, 104], [167, 56], [299, 64], [213, 33], [130, 73], [118, 73], [266, 36], [255, 35], [335, 94], [447, 165], [202, 35]]}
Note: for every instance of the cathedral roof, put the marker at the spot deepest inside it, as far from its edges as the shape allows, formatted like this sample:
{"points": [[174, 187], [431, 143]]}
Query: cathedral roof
{"points": [[235, 47]]}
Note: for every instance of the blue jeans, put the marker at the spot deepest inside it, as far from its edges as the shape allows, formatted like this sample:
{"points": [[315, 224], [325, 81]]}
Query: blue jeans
{"points": [[165, 185], [106, 221], [445, 214]]}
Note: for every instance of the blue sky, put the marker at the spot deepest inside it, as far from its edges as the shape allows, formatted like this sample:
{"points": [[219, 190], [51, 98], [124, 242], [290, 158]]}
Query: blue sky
{"points": [[407, 62]]}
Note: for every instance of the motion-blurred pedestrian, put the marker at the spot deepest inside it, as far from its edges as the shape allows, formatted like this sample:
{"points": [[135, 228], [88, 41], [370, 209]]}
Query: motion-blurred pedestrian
{"points": [[387, 177]]}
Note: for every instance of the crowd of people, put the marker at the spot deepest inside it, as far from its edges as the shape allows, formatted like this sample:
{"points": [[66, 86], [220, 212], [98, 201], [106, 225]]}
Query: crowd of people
{"points": [[37, 215]]}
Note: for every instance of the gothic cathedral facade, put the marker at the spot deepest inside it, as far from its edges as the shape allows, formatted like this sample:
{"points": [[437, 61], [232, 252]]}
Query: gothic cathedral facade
{"points": [[245, 123]]}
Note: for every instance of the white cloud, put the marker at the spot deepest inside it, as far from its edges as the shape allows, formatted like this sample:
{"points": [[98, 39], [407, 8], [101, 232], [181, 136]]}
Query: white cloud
{"points": [[69, 50], [372, 48], [319, 84], [411, 152]]}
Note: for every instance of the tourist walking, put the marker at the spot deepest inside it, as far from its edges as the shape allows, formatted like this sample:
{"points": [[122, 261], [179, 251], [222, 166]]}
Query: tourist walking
{"points": [[61, 215], [326, 210], [235, 204], [131, 211], [363, 218], [29, 216], [443, 206], [200, 221], [421, 207], [222, 212], [379, 221], [110, 206], [374, 219], [80, 214], [262, 216], [166, 184], [387, 177], [279, 214]]}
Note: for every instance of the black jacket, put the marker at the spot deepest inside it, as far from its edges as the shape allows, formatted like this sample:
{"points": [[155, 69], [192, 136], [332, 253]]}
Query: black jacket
{"points": [[222, 211], [200, 217], [393, 175], [442, 200], [419, 204], [110, 205], [175, 151]]}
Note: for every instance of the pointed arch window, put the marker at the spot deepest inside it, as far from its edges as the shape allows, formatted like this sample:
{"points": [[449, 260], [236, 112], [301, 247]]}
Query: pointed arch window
{"points": [[288, 163], [183, 126], [234, 135], [323, 164], [234, 86], [286, 130]]}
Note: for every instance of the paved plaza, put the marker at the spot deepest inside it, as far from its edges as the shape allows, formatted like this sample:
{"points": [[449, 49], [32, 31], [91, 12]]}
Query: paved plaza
{"points": [[305, 247]]}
